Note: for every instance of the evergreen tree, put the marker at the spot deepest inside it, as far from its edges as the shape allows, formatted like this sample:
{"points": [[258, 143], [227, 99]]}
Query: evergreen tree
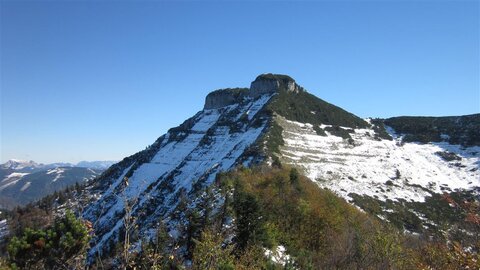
{"points": [[194, 229], [206, 206], [209, 253], [294, 176], [249, 219], [77, 187], [56, 246]]}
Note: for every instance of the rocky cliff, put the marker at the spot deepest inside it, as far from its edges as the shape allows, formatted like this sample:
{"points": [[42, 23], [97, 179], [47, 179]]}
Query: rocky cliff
{"points": [[273, 83], [262, 85], [224, 97]]}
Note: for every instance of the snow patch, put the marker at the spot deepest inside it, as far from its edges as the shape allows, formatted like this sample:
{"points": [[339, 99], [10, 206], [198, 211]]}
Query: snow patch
{"points": [[11, 179], [27, 185], [58, 171], [412, 170], [278, 256], [3, 229]]}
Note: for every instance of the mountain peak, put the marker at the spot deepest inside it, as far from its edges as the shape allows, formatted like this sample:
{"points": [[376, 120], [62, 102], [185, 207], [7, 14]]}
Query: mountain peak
{"points": [[272, 83], [267, 83], [16, 164], [276, 77]]}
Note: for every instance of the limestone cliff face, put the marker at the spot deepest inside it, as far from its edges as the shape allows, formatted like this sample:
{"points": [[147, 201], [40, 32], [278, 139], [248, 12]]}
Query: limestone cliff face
{"points": [[263, 84], [224, 97], [272, 83]]}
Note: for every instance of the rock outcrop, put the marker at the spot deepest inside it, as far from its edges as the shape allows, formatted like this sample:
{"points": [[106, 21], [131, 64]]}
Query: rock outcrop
{"points": [[224, 97], [263, 84], [272, 83]]}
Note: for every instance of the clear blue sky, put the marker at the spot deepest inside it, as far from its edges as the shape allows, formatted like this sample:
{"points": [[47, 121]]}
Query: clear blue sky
{"points": [[102, 80]]}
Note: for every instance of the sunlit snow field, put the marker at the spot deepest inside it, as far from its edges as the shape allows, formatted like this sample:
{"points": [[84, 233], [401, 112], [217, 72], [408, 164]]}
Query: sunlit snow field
{"points": [[365, 166]]}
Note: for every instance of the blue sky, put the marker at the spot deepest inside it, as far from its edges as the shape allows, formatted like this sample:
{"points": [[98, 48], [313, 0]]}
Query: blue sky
{"points": [[102, 80]]}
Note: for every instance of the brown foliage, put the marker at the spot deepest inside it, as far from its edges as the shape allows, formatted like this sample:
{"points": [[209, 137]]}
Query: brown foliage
{"points": [[31, 217]]}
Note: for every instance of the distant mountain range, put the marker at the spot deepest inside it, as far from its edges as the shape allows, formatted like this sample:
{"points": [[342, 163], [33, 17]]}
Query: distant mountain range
{"points": [[22, 182], [16, 164]]}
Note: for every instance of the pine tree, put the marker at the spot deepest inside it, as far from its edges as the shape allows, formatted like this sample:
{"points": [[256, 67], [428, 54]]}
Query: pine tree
{"points": [[194, 229], [57, 246], [294, 176], [249, 220]]}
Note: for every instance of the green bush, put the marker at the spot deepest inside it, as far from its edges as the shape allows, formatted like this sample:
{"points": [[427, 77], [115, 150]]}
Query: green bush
{"points": [[50, 247]]}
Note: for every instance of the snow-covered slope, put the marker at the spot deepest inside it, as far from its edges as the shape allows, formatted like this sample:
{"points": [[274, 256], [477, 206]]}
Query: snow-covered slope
{"points": [[18, 188], [384, 169], [100, 165], [178, 165], [17, 165], [22, 182], [11, 179], [29, 166]]}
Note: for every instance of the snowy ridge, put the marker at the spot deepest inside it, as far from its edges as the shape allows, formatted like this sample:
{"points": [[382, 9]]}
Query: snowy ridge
{"points": [[11, 179], [58, 173], [20, 188], [187, 159], [379, 168], [101, 165], [19, 165], [16, 164]]}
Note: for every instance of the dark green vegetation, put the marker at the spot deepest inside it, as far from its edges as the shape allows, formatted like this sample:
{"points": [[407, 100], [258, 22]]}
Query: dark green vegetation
{"points": [[448, 156], [319, 131], [278, 77], [464, 130], [61, 245], [452, 217], [275, 138], [306, 108], [379, 128], [38, 214], [340, 132], [236, 92]]}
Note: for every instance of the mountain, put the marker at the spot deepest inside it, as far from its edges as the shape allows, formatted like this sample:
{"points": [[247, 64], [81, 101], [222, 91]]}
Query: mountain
{"points": [[17, 165], [380, 165], [100, 165], [22, 182], [20, 188]]}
